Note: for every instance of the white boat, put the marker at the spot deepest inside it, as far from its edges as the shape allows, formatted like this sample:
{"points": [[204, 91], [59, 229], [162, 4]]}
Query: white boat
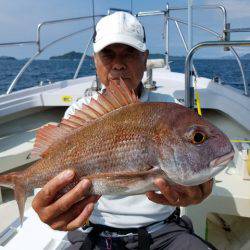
{"points": [[23, 112]]}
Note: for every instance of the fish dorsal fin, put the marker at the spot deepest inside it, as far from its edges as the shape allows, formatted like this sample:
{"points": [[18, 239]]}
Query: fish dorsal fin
{"points": [[115, 96], [47, 135]]}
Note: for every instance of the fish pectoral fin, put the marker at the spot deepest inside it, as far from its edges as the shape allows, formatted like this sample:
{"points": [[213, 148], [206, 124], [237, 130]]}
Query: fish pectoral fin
{"points": [[118, 175], [147, 170], [123, 182]]}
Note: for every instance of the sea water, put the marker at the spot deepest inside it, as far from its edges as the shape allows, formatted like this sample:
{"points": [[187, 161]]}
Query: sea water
{"points": [[46, 71]]}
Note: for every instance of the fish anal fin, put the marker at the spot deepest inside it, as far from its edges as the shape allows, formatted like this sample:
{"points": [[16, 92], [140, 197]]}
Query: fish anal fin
{"points": [[16, 182], [20, 196]]}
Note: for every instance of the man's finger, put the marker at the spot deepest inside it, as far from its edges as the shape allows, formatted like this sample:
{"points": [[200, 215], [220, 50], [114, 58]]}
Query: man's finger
{"points": [[206, 188], [158, 198], [194, 194], [82, 218], [61, 222], [49, 191], [170, 194], [69, 199]]}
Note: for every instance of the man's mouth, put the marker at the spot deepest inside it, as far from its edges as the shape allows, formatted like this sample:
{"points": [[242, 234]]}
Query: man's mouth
{"points": [[118, 78]]}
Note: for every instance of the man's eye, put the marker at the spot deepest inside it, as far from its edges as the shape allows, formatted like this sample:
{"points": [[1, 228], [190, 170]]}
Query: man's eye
{"points": [[107, 56], [130, 54]]}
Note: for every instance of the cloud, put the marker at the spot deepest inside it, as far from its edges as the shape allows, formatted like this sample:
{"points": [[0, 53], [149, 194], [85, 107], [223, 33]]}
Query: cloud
{"points": [[236, 9]]}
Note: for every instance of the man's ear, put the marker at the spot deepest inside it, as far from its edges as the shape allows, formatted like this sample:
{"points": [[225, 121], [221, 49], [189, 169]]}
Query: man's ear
{"points": [[93, 57]]}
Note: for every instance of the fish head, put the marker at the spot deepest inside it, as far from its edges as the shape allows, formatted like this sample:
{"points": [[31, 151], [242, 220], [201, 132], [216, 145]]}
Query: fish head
{"points": [[195, 151]]}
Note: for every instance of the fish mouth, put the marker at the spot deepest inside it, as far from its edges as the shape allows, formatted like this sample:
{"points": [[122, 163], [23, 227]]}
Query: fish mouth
{"points": [[215, 166], [218, 164], [222, 160]]}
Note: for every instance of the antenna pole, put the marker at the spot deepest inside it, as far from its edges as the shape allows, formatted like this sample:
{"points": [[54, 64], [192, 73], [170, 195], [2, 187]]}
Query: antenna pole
{"points": [[190, 45], [93, 13], [190, 22], [131, 6]]}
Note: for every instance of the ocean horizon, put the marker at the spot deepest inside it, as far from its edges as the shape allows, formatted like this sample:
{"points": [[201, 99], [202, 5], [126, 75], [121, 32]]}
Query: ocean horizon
{"points": [[47, 70]]}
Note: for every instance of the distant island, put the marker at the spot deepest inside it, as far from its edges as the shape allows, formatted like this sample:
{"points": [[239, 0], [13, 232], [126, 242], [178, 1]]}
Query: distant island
{"points": [[73, 55], [77, 55], [162, 56], [7, 58], [242, 57], [69, 56]]}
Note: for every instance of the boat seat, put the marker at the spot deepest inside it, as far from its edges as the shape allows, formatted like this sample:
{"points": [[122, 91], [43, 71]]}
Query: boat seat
{"points": [[155, 63], [15, 149]]}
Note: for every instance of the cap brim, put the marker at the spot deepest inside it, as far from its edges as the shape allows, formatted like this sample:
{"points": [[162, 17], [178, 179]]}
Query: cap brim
{"points": [[123, 39]]}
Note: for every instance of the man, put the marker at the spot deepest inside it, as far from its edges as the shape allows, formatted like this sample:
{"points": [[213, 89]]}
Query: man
{"points": [[144, 221]]}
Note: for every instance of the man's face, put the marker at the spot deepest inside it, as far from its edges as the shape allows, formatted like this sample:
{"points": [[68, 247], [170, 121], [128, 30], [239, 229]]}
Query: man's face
{"points": [[120, 60]]}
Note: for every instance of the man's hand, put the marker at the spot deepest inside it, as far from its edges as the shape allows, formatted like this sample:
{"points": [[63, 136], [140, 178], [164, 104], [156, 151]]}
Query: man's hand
{"points": [[70, 211], [179, 195]]}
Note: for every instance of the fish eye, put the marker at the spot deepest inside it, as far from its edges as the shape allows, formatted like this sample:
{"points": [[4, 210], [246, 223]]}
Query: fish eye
{"points": [[198, 137]]}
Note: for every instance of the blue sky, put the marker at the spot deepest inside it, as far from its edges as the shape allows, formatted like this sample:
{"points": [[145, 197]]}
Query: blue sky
{"points": [[19, 20]]}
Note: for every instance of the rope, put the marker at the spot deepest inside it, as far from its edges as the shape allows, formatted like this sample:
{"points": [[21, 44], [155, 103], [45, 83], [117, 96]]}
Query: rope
{"points": [[197, 96], [238, 141]]}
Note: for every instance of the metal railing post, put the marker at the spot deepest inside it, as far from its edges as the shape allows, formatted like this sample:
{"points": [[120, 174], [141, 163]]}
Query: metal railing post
{"points": [[189, 102], [166, 30], [82, 58], [241, 70], [184, 44], [21, 72]]}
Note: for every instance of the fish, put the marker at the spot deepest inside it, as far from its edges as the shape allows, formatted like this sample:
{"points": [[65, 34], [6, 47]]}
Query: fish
{"points": [[122, 144]]}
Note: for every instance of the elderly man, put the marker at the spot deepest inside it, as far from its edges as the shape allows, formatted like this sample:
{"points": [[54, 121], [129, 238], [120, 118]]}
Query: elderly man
{"points": [[148, 221]]}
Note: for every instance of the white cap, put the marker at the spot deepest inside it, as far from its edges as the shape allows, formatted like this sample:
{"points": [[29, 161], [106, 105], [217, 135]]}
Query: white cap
{"points": [[119, 27]]}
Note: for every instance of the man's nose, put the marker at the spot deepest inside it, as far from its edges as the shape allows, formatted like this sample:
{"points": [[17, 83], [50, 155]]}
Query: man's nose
{"points": [[118, 64]]}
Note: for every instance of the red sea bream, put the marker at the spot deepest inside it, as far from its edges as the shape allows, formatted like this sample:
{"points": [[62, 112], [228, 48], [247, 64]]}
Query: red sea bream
{"points": [[122, 144]]}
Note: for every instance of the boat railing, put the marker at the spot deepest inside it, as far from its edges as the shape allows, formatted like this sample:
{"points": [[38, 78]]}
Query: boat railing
{"points": [[223, 36], [41, 49], [166, 13], [189, 89]]}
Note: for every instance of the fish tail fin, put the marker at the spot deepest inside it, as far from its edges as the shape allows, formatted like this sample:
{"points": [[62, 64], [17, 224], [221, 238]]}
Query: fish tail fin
{"points": [[15, 181]]}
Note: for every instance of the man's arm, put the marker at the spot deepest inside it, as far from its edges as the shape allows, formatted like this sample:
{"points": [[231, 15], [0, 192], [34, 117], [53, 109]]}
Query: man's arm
{"points": [[70, 211], [180, 195]]}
